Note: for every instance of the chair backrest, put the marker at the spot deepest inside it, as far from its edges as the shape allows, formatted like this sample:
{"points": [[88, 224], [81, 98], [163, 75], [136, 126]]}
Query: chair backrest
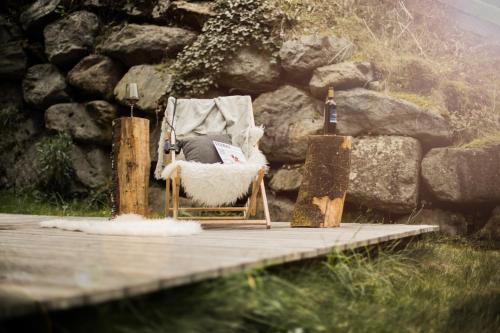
{"points": [[229, 114], [191, 117]]}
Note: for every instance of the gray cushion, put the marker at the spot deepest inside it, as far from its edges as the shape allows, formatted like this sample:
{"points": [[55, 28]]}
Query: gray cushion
{"points": [[201, 148]]}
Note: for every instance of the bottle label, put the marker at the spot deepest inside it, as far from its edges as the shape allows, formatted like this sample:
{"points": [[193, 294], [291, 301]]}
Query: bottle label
{"points": [[333, 114]]}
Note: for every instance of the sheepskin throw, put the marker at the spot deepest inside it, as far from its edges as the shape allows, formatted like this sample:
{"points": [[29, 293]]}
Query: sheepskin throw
{"points": [[217, 184], [213, 184], [127, 225]]}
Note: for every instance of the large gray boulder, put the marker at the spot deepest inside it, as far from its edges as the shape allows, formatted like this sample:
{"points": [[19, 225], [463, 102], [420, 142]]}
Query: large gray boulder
{"points": [[11, 95], [195, 14], [289, 116], [83, 124], [71, 38], [26, 171], [491, 229], [102, 112], [39, 13], [385, 173], [287, 179], [136, 44], [44, 86], [342, 76], [159, 13], [156, 10], [153, 84], [9, 31], [450, 223], [92, 166], [154, 138], [250, 71], [463, 175], [96, 75], [12, 61], [299, 57], [280, 208], [362, 111]]}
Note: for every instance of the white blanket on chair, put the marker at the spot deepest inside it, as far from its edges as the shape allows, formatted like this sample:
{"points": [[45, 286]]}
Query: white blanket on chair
{"points": [[229, 114]]}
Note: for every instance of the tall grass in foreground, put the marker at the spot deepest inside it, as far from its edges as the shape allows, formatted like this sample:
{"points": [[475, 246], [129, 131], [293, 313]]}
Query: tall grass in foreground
{"points": [[433, 285]]}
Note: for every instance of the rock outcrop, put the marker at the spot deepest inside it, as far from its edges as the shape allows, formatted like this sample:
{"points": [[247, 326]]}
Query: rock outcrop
{"points": [[463, 175], [289, 116], [39, 13], [450, 223], [342, 76], [491, 229], [102, 112], [26, 172], [92, 166], [250, 71], [12, 61], [299, 57], [96, 76], [363, 112], [90, 124], [153, 83], [280, 209], [195, 14], [9, 30], [44, 85], [287, 179], [71, 38], [385, 173], [136, 44]]}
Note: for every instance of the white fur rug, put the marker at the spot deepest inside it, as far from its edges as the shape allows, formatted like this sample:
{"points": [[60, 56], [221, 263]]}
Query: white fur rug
{"points": [[127, 225]]}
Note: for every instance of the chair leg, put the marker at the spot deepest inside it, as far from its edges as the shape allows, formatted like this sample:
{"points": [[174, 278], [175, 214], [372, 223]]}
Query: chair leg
{"points": [[176, 187], [255, 191], [266, 206], [167, 198]]}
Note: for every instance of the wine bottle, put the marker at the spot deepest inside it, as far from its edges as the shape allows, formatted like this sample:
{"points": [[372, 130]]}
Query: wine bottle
{"points": [[330, 114]]}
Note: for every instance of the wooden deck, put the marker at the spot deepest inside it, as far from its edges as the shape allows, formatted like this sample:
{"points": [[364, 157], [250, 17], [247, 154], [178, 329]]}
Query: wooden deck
{"points": [[49, 269]]}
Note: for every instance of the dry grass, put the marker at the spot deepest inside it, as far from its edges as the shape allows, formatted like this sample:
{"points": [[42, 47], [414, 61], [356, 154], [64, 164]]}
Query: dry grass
{"points": [[419, 51]]}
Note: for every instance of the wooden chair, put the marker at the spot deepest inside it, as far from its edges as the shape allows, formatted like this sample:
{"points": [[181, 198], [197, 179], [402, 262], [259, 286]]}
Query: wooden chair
{"points": [[243, 215]]}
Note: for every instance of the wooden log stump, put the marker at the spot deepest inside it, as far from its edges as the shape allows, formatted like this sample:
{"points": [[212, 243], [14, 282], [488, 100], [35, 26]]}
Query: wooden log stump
{"points": [[131, 166], [326, 176]]}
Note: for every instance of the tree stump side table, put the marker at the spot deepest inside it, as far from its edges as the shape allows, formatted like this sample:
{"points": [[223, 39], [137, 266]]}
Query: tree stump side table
{"points": [[131, 165], [320, 202]]}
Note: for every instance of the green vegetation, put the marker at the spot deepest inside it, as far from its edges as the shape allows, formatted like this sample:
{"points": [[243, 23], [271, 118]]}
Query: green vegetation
{"points": [[237, 24], [433, 285], [38, 203], [9, 116], [484, 142], [55, 163]]}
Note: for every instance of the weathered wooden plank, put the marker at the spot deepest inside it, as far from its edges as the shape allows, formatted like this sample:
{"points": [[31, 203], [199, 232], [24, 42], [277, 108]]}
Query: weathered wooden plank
{"points": [[58, 269]]}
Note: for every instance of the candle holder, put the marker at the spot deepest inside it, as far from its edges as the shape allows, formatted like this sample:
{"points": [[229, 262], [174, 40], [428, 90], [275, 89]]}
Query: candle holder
{"points": [[132, 96]]}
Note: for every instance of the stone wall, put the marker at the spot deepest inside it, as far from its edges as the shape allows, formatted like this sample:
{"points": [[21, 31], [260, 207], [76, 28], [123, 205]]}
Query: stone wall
{"points": [[67, 73]]}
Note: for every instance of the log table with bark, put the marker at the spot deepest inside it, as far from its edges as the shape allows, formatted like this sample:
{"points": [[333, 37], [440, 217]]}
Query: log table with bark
{"points": [[326, 176], [131, 166]]}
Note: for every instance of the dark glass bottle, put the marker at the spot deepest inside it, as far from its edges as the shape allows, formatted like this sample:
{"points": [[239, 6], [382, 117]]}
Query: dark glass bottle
{"points": [[330, 114]]}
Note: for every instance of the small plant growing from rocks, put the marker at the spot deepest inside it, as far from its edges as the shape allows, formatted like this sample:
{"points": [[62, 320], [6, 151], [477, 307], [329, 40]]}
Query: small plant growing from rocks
{"points": [[55, 163], [237, 24], [9, 116]]}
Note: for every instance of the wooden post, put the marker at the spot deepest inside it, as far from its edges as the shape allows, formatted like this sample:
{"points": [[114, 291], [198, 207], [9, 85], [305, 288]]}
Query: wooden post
{"points": [[326, 176], [131, 166]]}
